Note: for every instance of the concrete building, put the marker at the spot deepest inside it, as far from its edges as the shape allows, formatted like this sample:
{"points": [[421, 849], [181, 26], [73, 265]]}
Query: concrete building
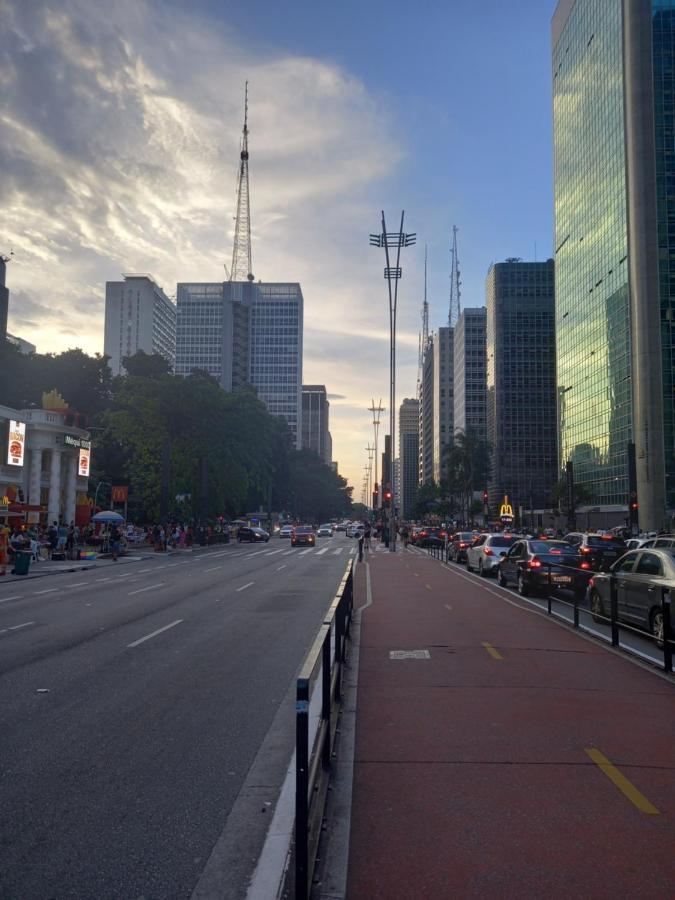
{"points": [[443, 400], [46, 461], [521, 387], [246, 333], [613, 109], [315, 414], [138, 316], [408, 454], [470, 362], [4, 299], [426, 420]]}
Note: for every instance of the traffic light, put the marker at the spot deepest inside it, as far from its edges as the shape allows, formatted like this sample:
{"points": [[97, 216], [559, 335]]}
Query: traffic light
{"points": [[386, 496], [485, 498]]}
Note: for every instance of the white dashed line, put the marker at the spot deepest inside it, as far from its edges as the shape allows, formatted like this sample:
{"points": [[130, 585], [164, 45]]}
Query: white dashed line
{"points": [[7, 599], [101, 580], [320, 552], [213, 569], [302, 552], [15, 627], [288, 552], [244, 586], [155, 633], [281, 567], [338, 551], [77, 584], [46, 591], [148, 588], [127, 575]]}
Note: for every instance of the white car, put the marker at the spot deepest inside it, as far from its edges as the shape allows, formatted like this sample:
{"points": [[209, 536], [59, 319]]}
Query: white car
{"points": [[486, 551], [354, 530], [286, 531], [325, 531]]}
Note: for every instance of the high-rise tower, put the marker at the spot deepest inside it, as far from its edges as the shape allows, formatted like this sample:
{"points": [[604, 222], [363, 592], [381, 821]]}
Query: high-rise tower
{"points": [[242, 267]]}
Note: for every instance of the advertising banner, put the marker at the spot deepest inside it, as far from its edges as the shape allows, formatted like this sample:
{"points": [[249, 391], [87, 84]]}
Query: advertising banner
{"points": [[16, 444], [84, 460]]}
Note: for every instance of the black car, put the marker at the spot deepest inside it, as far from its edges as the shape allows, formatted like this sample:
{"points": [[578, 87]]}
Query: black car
{"points": [[599, 550], [536, 565], [252, 535], [431, 537]]}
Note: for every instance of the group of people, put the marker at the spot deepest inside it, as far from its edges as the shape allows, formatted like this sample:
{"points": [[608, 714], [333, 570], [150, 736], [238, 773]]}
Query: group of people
{"points": [[41, 541]]}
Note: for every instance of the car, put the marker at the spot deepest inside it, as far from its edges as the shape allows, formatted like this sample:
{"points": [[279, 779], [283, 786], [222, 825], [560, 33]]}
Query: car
{"points": [[431, 537], [600, 550], [637, 543], [325, 531], [486, 552], [286, 531], [459, 544], [252, 535], [303, 534], [534, 565], [354, 530], [641, 577]]}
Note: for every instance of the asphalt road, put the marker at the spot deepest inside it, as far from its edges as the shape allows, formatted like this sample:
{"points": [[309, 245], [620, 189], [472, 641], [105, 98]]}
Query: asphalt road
{"points": [[133, 701]]}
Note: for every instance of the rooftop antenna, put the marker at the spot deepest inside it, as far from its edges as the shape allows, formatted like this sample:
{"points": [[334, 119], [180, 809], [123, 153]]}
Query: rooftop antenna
{"points": [[423, 339], [455, 283], [242, 268]]}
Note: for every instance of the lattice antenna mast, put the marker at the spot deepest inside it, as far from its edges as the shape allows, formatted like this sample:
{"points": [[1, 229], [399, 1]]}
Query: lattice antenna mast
{"points": [[242, 268], [455, 283], [423, 338]]}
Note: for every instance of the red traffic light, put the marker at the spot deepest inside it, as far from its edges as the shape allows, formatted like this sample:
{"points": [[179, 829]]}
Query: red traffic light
{"points": [[485, 496], [387, 495]]}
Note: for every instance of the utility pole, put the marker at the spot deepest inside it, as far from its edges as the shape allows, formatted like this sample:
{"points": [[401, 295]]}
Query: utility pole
{"points": [[242, 268], [394, 240], [376, 411]]}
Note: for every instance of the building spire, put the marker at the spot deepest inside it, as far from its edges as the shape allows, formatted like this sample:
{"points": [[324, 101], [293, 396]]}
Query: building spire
{"points": [[423, 338], [455, 305], [242, 268]]}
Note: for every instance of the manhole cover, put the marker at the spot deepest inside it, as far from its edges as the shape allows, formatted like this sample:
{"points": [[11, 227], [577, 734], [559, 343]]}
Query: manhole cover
{"points": [[409, 654]]}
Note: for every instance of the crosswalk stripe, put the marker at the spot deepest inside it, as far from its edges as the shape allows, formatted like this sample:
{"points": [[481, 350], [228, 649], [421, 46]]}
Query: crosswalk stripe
{"points": [[274, 552], [302, 552], [338, 551], [319, 552]]}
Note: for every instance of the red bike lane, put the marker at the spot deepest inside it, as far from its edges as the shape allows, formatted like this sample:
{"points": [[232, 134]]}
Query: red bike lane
{"points": [[512, 758]]}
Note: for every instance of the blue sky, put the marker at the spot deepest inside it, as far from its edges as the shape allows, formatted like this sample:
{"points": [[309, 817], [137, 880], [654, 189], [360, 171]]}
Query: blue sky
{"points": [[121, 126]]}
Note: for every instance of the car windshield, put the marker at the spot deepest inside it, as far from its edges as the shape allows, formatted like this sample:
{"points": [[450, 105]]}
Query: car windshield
{"points": [[465, 536], [303, 529], [597, 540], [325, 526], [551, 547], [501, 541]]}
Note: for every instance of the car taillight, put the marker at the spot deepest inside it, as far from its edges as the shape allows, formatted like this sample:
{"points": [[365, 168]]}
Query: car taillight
{"points": [[585, 565], [585, 550], [591, 582], [534, 563], [462, 544], [487, 551]]}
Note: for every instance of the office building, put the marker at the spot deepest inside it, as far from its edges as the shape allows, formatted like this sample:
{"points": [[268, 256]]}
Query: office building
{"points": [[443, 399], [138, 316], [246, 333], [315, 412], [470, 363], [426, 420], [521, 386], [22, 345], [408, 454], [614, 172]]}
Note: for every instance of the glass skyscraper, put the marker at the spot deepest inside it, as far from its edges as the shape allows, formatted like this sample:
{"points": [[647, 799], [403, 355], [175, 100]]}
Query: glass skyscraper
{"points": [[613, 112]]}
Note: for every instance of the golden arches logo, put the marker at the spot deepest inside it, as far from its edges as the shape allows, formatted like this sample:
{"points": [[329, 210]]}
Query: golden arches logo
{"points": [[506, 509]]}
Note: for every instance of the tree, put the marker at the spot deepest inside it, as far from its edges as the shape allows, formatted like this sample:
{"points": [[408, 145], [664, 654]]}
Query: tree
{"points": [[146, 365], [467, 462]]}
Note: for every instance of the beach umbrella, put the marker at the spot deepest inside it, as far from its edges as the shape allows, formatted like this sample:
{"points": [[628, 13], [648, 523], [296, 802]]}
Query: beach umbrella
{"points": [[108, 515]]}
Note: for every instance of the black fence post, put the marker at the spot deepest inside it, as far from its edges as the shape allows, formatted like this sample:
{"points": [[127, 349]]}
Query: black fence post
{"points": [[576, 608], [325, 699], [301, 788], [667, 631], [548, 593], [613, 611]]}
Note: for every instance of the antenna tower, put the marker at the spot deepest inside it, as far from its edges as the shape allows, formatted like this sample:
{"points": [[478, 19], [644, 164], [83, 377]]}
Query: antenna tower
{"points": [[423, 338], [241, 268], [455, 283]]}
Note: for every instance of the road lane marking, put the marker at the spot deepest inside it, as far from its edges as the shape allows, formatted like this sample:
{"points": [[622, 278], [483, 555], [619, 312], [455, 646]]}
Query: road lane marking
{"points": [[15, 627], [302, 552], [416, 574], [320, 552], [495, 654], [148, 588], [7, 599], [447, 606], [619, 780], [273, 552], [77, 584], [142, 571], [46, 591], [127, 575], [338, 551], [155, 633], [281, 567], [288, 552], [213, 569], [244, 586], [101, 580], [170, 565], [428, 587]]}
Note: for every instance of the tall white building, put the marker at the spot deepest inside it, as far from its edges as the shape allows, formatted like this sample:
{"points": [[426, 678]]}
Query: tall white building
{"points": [[138, 316], [246, 333], [470, 364], [443, 399], [408, 454]]}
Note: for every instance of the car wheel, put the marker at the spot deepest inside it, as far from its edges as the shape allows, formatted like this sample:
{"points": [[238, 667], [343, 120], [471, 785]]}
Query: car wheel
{"points": [[501, 580], [597, 607], [657, 627], [523, 588]]}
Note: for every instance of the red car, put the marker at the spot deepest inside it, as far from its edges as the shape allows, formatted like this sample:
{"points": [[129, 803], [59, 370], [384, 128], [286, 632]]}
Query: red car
{"points": [[303, 534]]}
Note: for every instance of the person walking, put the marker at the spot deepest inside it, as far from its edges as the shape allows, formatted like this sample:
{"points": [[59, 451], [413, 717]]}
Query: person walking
{"points": [[114, 541], [366, 536], [361, 540]]}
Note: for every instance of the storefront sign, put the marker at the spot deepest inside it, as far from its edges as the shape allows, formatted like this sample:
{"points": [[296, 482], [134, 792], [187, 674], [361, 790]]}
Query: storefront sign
{"points": [[119, 493], [506, 511], [17, 443], [79, 443], [84, 461]]}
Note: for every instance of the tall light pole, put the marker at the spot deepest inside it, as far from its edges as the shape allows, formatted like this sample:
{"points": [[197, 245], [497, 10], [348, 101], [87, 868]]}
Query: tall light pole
{"points": [[376, 411], [370, 450], [394, 240]]}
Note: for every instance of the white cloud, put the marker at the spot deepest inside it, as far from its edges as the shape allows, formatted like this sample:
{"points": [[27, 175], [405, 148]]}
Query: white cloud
{"points": [[120, 141]]}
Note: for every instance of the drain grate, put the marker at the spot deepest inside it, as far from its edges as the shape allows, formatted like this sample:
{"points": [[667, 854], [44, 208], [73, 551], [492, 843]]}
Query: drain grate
{"points": [[409, 654]]}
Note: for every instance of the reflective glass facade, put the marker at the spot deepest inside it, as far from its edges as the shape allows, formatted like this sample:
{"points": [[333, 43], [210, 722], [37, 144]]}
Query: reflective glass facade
{"points": [[592, 299]]}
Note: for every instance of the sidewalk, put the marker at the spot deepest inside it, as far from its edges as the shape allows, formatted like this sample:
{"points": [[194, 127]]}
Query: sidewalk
{"points": [[502, 755]]}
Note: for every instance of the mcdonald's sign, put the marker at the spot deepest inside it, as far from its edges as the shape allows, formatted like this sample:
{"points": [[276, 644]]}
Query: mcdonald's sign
{"points": [[119, 493], [506, 511]]}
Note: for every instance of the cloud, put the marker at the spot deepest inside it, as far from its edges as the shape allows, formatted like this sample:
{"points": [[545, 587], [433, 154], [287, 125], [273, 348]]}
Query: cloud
{"points": [[121, 132]]}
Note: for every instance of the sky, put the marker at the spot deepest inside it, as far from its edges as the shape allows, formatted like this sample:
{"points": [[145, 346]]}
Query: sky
{"points": [[121, 125]]}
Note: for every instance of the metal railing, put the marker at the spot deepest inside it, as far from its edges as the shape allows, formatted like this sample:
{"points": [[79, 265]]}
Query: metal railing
{"points": [[319, 686], [615, 622]]}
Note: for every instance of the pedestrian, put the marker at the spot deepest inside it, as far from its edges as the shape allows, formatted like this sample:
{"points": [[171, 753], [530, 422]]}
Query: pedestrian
{"points": [[114, 541], [361, 540], [366, 536]]}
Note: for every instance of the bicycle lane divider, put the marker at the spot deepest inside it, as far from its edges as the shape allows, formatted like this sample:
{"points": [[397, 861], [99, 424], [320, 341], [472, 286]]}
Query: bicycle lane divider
{"points": [[620, 781]]}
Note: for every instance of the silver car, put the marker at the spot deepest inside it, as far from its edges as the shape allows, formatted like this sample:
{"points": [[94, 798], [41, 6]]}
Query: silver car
{"points": [[641, 577], [486, 551]]}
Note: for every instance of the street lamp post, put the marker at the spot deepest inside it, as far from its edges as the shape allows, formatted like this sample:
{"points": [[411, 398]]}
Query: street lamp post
{"points": [[394, 240], [376, 411]]}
